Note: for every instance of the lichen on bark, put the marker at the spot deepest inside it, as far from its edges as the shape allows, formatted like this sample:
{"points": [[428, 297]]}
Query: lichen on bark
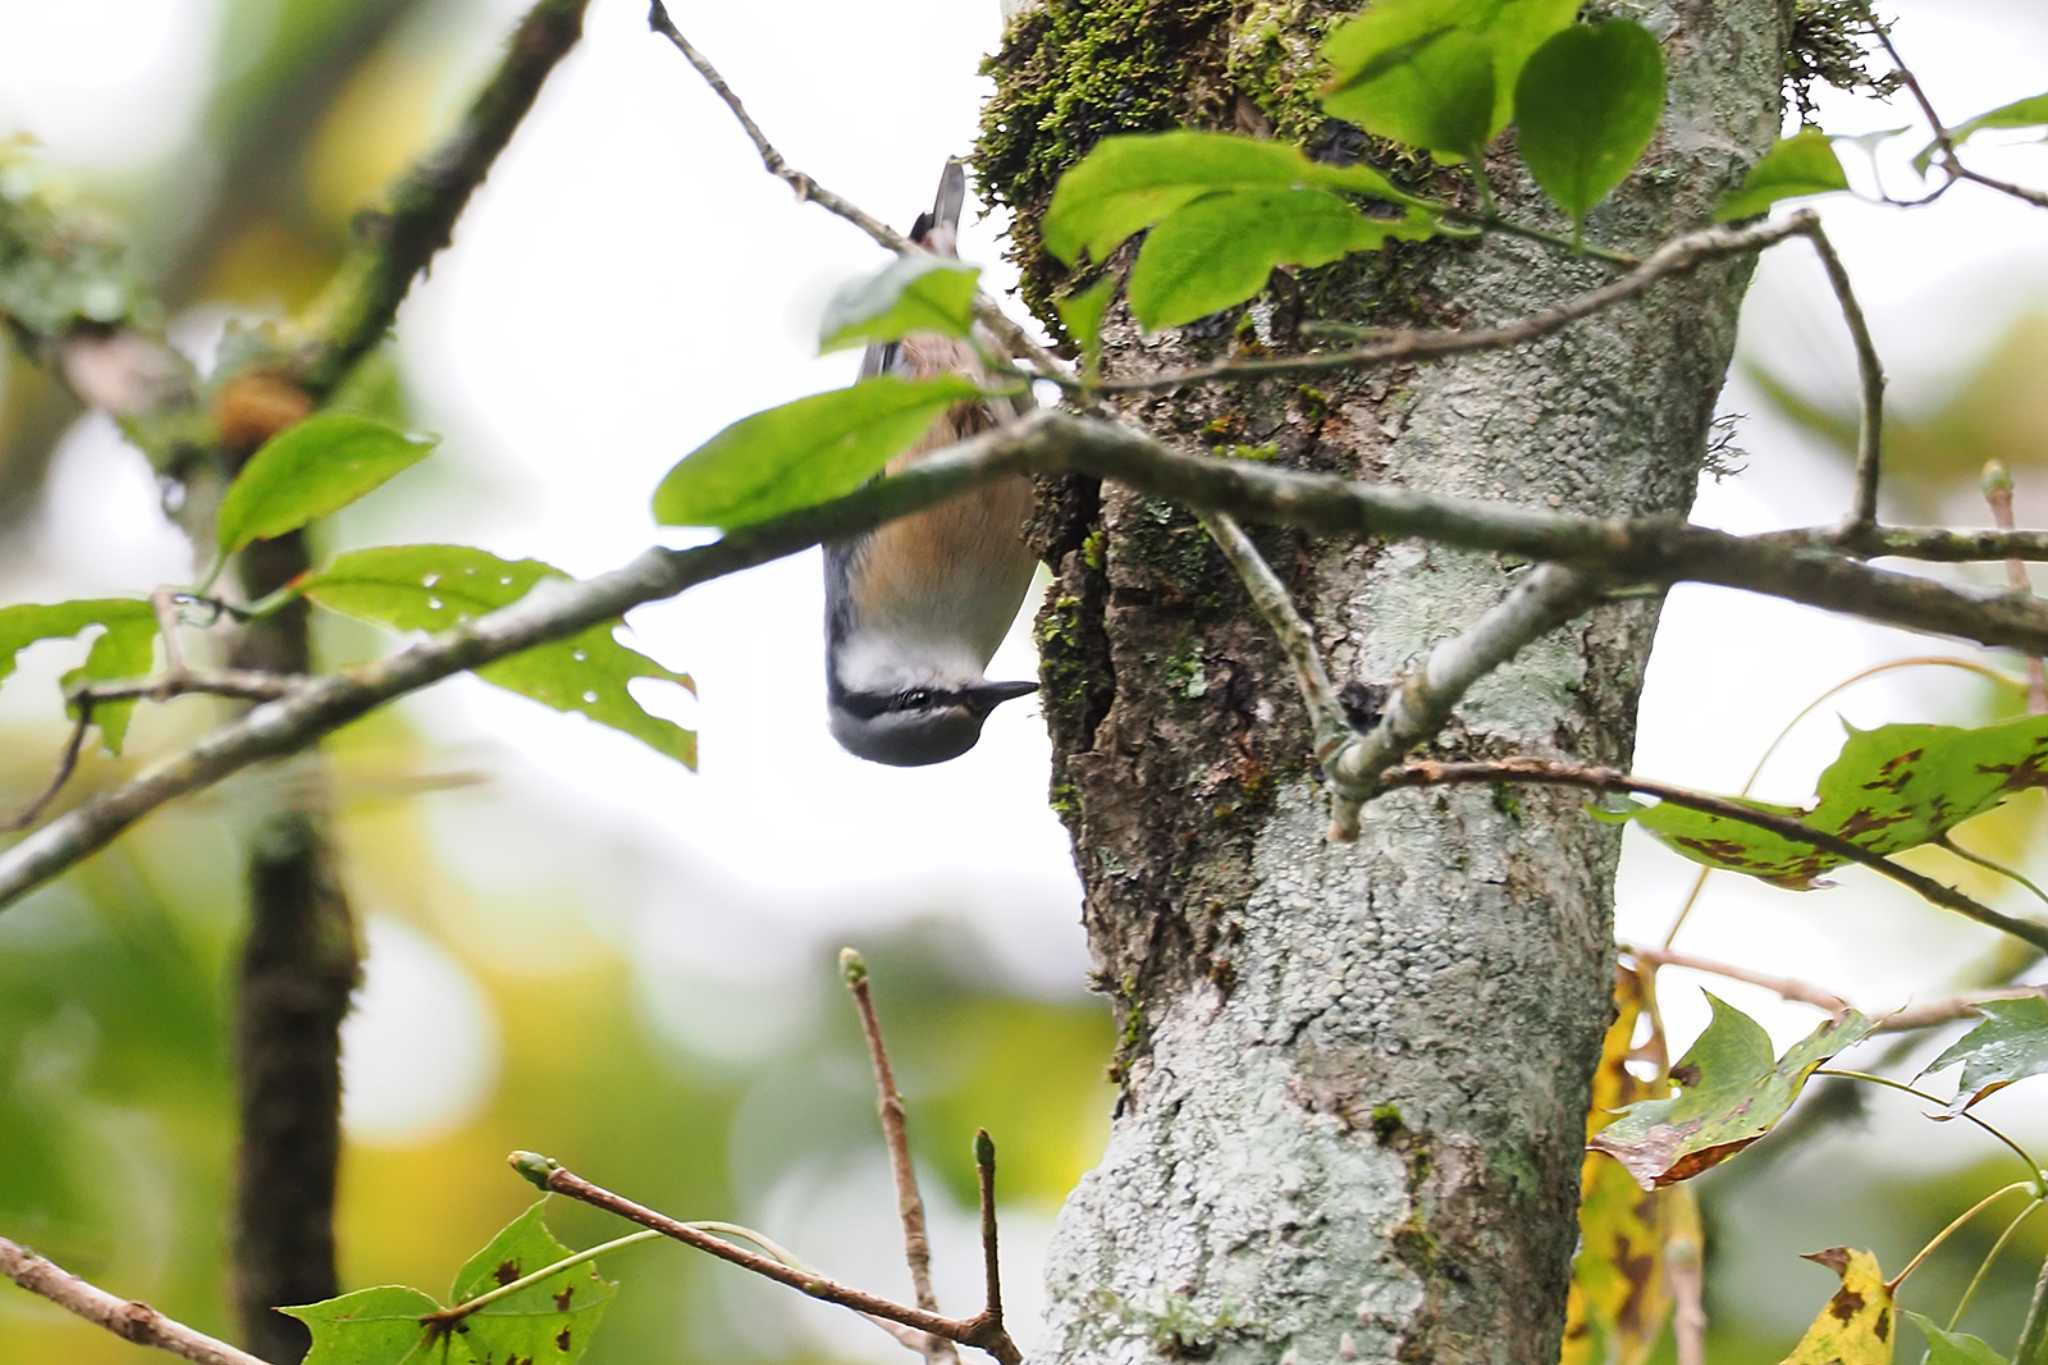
{"points": [[1354, 1079]]}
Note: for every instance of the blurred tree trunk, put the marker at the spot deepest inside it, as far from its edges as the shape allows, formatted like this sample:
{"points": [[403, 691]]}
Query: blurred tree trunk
{"points": [[1354, 1078]]}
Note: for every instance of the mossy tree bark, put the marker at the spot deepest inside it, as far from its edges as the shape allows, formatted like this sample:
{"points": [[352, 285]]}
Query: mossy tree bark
{"points": [[1354, 1078]]}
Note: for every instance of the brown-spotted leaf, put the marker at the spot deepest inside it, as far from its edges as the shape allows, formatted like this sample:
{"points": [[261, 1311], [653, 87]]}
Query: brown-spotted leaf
{"points": [[2010, 1045], [1731, 1092], [1620, 1292], [1856, 1326], [1889, 789]]}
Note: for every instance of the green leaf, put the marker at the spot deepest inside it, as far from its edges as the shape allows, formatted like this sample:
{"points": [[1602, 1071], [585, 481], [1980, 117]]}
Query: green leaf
{"points": [[1587, 105], [1394, 73], [809, 451], [435, 587], [2010, 1045], [1805, 163], [378, 1326], [310, 469], [1889, 789], [913, 293], [1126, 184], [1732, 1093], [126, 648], [1857, 1325], [1953, 1348], [2031, 112], [1081, 314], [549, 1323], [1218, 251]]}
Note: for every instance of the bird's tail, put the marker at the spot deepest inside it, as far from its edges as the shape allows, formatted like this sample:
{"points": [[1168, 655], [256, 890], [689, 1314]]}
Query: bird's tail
{"points": [[939, 230]]}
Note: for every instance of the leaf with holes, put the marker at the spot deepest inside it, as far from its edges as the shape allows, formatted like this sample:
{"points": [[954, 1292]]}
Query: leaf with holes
{"points": [[913, 293], [804, 452], [435, 587], [1858, 1326], [1620, 1291], [1731, 1093], [1126, 184], [547, 1323], [1805, 163], [1587, 105], [1953, 1348], [1218, 251], [1889, 789], [1439, 74], [2010, 1045], [309, 469], [125, 648], [2031, 112]]}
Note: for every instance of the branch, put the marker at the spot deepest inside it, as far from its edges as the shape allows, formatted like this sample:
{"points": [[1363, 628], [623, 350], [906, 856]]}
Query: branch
{"points": [[1924, 1015], [917, 1246], [1997, 484], [980, 1331], [986, 310], [1555, 773], [1869, 377], [1297, 639], [1796, 567], [1421, 703], [128, 1319]]}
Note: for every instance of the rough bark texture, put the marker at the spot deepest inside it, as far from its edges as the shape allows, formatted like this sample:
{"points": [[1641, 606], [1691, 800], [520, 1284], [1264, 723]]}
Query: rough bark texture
{"points": [[299, 967], [1354, 1078]]}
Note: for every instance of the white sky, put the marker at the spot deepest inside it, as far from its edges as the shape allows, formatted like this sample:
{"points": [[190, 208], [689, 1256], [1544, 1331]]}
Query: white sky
{"points": [[629, 281]]}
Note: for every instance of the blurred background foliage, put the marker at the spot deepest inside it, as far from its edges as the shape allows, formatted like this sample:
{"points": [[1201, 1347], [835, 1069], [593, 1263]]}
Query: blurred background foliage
{"points": [[542, 979]]}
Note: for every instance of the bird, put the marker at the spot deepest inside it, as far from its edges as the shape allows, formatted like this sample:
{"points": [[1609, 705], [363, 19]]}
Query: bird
{"points": [[915, 608]]}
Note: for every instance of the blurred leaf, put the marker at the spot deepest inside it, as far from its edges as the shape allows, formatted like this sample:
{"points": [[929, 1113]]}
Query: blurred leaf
{"points": [[913, 293], [1620, 1292], [2030, 112], [1128, 183], [1219, 250], [1953, 1348], [434, 587], [125, 649], [1858, 1325], [1439, 74], [809, 451], [1889, 789], [1731, 1093], [2010, 1045], [1081, 314], [549, 1322], [1805, 163], [309, 469], [1587, 105]]}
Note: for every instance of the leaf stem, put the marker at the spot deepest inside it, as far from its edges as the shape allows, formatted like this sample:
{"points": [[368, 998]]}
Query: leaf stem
{"points": [[1956, 1225], [1980, 860], [448, 1317], [2035, 1176], [1991, 1258]]}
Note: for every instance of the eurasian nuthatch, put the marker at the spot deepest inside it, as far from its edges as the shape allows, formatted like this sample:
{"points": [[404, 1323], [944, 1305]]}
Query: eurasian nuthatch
{"points": [[915, 608]]}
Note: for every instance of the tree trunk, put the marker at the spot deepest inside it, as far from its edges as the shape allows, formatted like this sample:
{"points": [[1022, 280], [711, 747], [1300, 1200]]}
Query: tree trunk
{"points": [[1354, 1078]]}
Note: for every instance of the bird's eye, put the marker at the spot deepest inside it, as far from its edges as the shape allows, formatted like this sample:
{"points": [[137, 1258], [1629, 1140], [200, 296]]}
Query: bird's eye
{"points": [[915, 699]]}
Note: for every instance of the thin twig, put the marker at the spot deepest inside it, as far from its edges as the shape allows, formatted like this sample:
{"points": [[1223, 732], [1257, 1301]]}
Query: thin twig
{"points": [[1556, 773], [128, 1319], [242, 684], [67, 764], [1797, 566], [1952, 162], [1015, 339], [978, 1331], [1997, 483], [992, 1274], [1925, 1015], [1869, 381], [1274, 603], [917, 1245], [2036, 1175], [1421, 703], [2038, 198]]}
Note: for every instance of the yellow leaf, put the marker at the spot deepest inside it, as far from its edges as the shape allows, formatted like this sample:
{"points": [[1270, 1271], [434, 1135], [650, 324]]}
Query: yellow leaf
{"points": [[1620, 1291], [1855, 1326]]}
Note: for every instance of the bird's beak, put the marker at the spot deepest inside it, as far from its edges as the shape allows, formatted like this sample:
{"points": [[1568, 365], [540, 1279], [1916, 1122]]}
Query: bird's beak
{"points": [[986, 697]]}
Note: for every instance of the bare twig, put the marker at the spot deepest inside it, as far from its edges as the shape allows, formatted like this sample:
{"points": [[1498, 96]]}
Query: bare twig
{"points": [[1944, 139], [67, 764], [1274, 603], [1869, 377], [1797, 566], [1998, 493], [980, 1331], [128, 1319], [1557, 773], [917, 1246], [241, 684], [1015, 339], [1927, 1014], [1421, 703], [992, 1274]]}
